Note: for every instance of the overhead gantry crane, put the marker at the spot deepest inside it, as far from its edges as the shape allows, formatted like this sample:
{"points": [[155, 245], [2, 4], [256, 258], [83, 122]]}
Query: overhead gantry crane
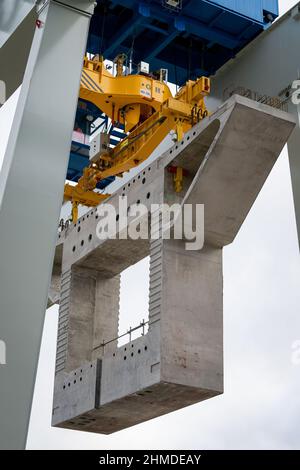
{"points": [[143, 104], [218, 31]]}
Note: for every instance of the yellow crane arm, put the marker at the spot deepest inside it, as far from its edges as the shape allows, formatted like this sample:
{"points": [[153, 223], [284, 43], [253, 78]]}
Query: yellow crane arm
{"points": [[146, 108], [124, 98]]}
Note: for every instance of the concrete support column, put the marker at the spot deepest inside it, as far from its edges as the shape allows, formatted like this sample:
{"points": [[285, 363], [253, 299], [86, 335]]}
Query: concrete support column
{"points": [[17, 26], [31, 193], [88, 317], [192, 316], [106, 314], [80, 320]]}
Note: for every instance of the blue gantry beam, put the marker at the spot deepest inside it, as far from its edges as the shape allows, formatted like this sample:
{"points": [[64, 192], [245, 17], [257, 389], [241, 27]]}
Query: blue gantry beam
{"points": [[198, 35], [194, 39]]}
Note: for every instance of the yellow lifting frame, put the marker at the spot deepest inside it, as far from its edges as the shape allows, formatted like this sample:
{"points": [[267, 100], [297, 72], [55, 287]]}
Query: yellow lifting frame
{"points": [[147, 110]]}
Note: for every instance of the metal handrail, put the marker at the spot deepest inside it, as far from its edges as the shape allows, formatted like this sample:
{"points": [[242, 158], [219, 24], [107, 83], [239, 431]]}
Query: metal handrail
{"points": [[129, 332], [273, 101]]}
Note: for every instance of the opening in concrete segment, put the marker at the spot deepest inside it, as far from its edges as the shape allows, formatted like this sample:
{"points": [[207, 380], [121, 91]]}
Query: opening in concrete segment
{"points": [[134, 297]]}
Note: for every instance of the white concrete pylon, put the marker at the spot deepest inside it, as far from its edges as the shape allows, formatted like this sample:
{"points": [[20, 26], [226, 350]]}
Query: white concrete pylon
{"points": [[269, 65], [17, 25], [31, 191]]}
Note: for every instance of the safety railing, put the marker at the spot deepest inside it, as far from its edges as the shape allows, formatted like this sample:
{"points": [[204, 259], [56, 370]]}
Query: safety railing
{"points": [[128, 333], [273, 101]]}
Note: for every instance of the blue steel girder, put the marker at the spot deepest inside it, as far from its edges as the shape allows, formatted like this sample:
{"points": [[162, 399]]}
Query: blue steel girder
{"points": [[211, 34], [221, 27], [179, 71], [122, 34], [154, 28], [216, 18], [246, 30], [193, 25], [79, 161], [240, 37], [160, 45]]}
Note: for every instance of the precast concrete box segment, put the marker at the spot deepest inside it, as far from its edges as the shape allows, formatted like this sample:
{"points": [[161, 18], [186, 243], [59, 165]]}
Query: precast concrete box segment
{"points": [[100, 387]]}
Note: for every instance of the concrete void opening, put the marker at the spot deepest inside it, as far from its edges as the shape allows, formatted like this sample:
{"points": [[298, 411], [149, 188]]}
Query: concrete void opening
{"points": [[134, 295]]}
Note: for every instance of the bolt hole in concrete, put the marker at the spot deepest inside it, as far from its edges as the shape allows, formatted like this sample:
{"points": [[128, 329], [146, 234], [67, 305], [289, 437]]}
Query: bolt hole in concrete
{"points": [[134, 299]]}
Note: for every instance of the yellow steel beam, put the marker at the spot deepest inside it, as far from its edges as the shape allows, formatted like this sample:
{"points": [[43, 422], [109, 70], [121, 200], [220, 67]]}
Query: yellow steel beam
{"points": [[85, 197], [115, 96], [146, 108]]}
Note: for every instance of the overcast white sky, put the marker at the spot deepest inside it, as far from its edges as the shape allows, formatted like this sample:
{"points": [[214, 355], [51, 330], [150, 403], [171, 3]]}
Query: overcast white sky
{"points": [[261, 404]]}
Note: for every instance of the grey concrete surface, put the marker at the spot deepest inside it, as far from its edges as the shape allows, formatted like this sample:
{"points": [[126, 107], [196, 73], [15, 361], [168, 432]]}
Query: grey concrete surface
{"points": [[37, 151], [15, 49], [268, 66], [180, 360], [12, 13]]}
